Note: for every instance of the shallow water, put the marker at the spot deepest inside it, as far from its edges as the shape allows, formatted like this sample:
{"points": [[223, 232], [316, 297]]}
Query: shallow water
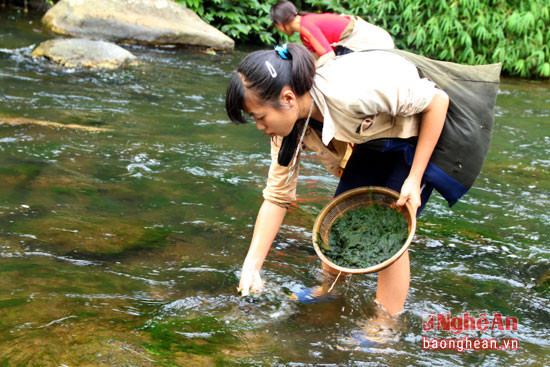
{"points": [[123, 248]]}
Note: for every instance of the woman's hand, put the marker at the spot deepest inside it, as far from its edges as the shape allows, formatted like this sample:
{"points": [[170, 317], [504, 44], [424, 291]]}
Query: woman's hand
{"points": [[267, 225], [250, 282], [410, 192]]}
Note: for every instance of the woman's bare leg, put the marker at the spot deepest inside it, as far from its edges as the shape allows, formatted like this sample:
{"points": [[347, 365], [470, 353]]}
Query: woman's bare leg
{"points": [[393, 285]]}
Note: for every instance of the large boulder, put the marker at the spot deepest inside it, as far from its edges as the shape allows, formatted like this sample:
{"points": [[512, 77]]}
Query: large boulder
{"points": [[84, 53], [156, 22]]}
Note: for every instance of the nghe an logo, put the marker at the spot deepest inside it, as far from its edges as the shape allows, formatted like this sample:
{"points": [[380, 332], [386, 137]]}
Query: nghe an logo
{"points": [[465, 322]]}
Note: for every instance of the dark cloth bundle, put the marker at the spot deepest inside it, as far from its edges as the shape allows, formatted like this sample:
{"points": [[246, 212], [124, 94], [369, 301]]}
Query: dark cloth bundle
{"points": [[466, 136]]}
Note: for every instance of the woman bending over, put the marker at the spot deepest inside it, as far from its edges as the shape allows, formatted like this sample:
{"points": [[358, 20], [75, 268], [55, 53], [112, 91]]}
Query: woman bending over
{"points": [[371, 99]]}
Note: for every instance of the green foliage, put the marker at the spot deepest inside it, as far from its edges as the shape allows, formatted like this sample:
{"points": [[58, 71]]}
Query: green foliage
{"points": [[246, 21], [514, 32]]}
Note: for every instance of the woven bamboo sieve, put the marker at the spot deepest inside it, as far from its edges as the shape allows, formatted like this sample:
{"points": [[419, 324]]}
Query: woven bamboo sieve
{"points": [[361, 196]]}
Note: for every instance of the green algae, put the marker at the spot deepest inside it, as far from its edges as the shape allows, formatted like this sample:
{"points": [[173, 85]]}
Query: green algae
{"points": [[366, 236], [14, 302], [199, 336]]}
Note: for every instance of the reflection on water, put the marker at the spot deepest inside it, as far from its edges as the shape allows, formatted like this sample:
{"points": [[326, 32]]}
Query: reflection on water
{"points": [[124, 247]]}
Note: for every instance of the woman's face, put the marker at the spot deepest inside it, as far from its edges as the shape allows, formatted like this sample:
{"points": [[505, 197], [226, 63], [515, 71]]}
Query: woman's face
{"points": [[273, 120], [285, 28]]}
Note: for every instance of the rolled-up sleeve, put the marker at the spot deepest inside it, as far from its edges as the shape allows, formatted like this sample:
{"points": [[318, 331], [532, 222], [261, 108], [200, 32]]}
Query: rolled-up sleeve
{"points": [[277, 190]]}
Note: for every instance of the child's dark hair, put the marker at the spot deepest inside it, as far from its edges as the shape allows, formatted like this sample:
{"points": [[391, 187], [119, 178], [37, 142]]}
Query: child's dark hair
{"points": [[283, 12], [255, 75]]}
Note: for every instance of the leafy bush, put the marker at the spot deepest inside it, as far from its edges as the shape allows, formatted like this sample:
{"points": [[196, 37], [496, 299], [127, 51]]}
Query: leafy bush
{"points": [[514, 32], [246, 21]]}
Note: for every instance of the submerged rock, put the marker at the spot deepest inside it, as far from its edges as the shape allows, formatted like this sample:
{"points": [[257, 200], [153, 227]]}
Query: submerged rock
{"points": [[84, 53], [155, 22]]}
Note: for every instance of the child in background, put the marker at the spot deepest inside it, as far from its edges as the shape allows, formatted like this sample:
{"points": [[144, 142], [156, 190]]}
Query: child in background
{"points": [[327, 35]]}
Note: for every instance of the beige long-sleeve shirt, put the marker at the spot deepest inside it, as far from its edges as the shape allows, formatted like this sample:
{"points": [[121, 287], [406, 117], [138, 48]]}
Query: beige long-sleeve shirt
{"points": [[363, 96]]}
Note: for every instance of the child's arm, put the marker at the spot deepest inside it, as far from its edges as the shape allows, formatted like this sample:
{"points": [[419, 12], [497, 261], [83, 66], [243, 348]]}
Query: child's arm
{"points": [[315, 37]]}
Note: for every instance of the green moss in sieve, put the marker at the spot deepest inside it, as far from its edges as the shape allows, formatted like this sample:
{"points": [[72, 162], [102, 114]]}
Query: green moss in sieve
{"points": [[365, 237]]}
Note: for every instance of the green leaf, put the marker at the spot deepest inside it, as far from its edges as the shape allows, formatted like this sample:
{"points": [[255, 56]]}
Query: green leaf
{"points": [[519, 66], [544, 70]]}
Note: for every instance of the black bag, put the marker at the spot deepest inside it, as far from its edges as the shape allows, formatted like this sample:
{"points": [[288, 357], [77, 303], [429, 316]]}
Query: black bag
{"points": [[290, 142], [466, 136], [288, 147]]}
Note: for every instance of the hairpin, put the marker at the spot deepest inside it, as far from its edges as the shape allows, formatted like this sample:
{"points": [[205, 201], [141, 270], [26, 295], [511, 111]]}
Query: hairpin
{"points": [[271, 69], [282, 51]]}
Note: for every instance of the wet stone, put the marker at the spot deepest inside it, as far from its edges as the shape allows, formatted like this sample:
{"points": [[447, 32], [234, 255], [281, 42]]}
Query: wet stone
{"points": [[84, 53]]}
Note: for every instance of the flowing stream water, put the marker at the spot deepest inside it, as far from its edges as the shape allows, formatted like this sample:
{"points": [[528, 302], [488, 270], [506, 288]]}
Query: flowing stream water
{"points": [[124, 247]]}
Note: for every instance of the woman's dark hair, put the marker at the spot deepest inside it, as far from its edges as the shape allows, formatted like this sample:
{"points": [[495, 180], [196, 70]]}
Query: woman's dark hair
{"points": [[255, 75], [283, 12]]}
